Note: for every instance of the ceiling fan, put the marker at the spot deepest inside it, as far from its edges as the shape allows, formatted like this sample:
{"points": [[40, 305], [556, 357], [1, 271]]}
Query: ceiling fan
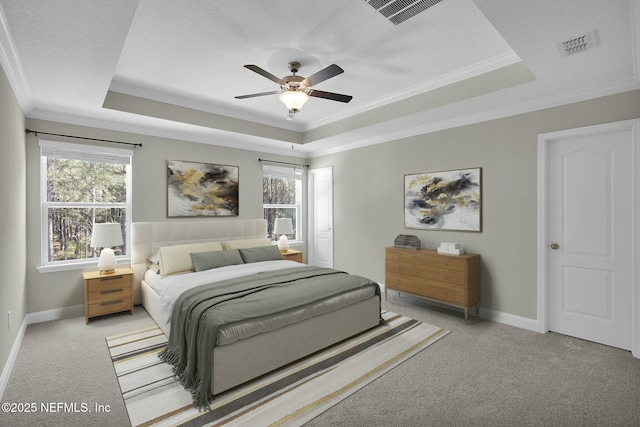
{"points": [[296, 90]]}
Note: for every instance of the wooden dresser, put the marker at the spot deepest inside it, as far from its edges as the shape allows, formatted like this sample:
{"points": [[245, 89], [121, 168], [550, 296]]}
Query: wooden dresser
{"points": [[107, 293], [449, 279]]}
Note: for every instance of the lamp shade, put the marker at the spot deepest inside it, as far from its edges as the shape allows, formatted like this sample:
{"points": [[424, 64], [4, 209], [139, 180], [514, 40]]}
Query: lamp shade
{"points": [[283, 226], [293, 99], [106, 235]]}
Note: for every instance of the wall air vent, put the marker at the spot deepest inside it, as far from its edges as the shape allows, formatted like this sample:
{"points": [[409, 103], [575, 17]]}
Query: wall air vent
{"points": [[578, 44], [398, 11]]}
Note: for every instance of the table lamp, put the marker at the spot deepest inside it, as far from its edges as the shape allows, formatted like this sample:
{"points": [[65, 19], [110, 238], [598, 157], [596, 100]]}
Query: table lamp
{"points": [[105, 236]]}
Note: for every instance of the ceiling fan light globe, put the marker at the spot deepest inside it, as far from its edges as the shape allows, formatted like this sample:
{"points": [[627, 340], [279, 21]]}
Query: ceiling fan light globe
{"points": [[293, 99]]}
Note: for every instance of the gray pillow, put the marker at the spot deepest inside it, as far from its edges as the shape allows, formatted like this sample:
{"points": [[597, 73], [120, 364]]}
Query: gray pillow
{"points": [[262, 253], [215, 259]]}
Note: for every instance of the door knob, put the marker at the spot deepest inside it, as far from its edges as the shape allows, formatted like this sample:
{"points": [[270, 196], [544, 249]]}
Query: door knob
{"points": [[555, 246]]}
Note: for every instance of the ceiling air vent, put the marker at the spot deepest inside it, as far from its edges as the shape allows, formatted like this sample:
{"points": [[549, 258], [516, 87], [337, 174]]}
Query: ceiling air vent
{"points": [[398, 11], [578, 44]]}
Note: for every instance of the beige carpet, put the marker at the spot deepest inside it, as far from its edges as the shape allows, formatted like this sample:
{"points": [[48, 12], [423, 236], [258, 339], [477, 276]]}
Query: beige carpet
{"points": [[290, 396]]}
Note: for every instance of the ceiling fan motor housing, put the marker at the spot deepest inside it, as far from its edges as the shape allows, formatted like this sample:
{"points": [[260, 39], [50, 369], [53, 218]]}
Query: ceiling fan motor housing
{"points": [[292, 82]]}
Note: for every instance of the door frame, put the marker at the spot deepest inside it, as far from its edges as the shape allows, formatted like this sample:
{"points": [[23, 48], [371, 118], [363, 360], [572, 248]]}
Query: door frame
{"points": [[544, 141]]}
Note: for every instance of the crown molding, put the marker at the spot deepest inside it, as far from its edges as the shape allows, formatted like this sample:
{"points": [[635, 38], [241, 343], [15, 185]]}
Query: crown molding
{"points": [[125, 122], [12, 66], [119, 121], [487, 115]]}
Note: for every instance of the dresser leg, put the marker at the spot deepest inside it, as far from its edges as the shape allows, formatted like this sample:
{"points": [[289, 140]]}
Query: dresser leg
{"points": [[466, 315]]}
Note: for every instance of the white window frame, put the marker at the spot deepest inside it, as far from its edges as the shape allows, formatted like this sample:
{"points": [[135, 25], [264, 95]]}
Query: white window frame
{"points": [[85, 152], [298, 172]]}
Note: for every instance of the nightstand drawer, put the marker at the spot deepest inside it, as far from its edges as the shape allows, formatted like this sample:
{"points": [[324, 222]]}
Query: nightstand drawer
{"points": [[109, 287], [109, 306], [108, 293], [292, 255]]}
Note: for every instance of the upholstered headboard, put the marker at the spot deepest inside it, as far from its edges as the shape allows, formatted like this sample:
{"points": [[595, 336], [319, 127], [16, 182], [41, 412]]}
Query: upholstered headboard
{"points": [[146, 237]]}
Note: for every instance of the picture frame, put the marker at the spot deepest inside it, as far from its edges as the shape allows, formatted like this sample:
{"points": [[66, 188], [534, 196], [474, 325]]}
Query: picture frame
{"points": [[444, 200], [196, 189]]}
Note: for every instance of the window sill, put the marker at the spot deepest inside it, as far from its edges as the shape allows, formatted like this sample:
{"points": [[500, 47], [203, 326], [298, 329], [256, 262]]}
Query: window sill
{"points": [[292, 243], [79, 265]]}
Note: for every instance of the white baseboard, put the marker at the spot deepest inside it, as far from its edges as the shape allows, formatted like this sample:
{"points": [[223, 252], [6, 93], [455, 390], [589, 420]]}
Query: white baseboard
{"points": [[54, 314], [29, 319], [486, 313], [13, 355], [509, 319]]}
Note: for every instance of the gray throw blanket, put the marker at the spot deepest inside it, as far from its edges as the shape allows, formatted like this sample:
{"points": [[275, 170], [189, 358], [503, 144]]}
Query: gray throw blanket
{"points": [[199, 312]]}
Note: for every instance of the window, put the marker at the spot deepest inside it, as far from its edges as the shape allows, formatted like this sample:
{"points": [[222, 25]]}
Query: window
{"points": [[82, 185], [282, 196]]}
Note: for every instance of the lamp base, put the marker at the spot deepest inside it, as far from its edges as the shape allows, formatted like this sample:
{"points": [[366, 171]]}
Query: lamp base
{"points": [[107, 261], [283, 243]]}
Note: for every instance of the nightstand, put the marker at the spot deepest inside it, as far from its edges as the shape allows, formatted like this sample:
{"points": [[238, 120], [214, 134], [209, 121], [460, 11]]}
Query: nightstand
{"points": [[107, 293], [292, 255]]}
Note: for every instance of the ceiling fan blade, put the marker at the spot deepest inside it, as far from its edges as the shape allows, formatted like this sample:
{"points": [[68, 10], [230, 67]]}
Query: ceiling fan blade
{"points": [[253, 95], [322, 75], [330, 95], [263, 73]]}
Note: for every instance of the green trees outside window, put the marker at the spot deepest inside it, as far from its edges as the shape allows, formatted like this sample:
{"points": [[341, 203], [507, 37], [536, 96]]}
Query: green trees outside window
{"points": [[80, 189]]}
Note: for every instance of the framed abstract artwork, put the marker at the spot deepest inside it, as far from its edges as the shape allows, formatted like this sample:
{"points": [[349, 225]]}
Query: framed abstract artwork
{"points": [[446, 200], [201, 189]]}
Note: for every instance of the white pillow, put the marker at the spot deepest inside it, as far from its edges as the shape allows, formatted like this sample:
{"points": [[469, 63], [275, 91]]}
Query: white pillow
{"points": [[247, 243], [153, 262], [177, 259]]}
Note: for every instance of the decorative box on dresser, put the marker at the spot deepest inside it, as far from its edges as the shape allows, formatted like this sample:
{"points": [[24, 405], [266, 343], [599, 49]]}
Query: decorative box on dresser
{"points": [[449, 279], [107, 293]]}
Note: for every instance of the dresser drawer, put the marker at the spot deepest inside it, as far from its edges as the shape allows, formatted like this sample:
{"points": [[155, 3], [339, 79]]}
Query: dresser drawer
{"points": [[426, 272], [449, 293], [430, 259]]}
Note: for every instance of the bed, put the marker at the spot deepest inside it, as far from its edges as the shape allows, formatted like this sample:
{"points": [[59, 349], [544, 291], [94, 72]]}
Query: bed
{"points": [[280, 338]]}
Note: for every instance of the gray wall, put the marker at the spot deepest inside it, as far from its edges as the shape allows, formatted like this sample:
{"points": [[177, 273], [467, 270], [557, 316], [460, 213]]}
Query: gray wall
{"points": [[368, 195], [64, 289], [13, 247]]}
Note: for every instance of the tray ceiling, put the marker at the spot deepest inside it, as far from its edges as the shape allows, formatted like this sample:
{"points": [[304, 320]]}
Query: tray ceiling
{"points": [[173, 68]]}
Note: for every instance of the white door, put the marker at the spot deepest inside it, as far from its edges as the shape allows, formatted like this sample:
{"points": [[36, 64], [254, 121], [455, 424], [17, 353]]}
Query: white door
{"points": [[590, 236], [321, 217]]}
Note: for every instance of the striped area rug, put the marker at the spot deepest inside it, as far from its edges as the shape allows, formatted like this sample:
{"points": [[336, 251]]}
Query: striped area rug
{"points": [[289, 396]]}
